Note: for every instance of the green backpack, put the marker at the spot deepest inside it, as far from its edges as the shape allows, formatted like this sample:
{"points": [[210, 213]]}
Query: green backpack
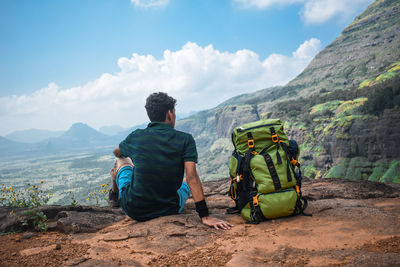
{"points": [[264, 181]]}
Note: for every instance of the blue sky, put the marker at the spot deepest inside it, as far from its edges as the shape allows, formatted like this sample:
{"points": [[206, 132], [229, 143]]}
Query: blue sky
{"points": [[95, 61]]}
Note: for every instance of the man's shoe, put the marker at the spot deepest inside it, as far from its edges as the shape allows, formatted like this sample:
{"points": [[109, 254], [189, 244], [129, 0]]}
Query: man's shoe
{"points": [[113, 199]]}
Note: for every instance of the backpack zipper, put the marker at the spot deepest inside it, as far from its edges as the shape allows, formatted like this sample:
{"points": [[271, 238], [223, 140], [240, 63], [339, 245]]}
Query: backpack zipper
{"points": [[255, 127]]}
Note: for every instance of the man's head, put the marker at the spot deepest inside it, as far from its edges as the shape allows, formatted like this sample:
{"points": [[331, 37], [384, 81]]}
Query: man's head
{"points": [[161, 107]]}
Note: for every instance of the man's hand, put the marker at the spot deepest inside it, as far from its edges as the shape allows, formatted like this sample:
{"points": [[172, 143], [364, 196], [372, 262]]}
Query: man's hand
{"points": [[216, 223], [117, 152]]}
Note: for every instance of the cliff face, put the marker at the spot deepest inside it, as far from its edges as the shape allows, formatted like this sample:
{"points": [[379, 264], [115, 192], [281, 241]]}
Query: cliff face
{"points": [[343, 108], [374, 139], [226, 119]]}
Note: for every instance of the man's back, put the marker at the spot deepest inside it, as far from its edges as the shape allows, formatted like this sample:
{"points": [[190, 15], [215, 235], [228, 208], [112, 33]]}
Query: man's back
{"points": [[158, 153]]}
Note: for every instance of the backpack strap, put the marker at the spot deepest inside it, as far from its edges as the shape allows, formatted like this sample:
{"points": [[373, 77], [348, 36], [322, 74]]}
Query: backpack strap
{"points": [[234, 146], [291, 155], [256, 214], [272, 171], [255, 211], [275, 139], [288, 162]]}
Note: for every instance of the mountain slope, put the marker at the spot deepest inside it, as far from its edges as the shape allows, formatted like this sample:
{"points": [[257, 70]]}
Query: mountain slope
{"points": [[365, 48], [343, 108]]}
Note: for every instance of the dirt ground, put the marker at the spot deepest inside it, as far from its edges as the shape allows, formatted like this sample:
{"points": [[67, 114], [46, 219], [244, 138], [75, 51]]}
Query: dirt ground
{"points": [[42, 249], [341, 232]]}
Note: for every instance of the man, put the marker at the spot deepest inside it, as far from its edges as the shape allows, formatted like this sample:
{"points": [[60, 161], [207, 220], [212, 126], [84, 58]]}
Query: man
{"points": [[148, 173]]}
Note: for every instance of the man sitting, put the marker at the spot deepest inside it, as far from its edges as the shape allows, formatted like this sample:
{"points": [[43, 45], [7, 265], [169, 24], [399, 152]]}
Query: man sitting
{"points": [[149, 170]]}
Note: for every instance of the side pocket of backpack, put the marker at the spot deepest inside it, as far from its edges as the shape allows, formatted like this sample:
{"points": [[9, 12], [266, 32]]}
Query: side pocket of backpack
{"points": [[274, 205]]}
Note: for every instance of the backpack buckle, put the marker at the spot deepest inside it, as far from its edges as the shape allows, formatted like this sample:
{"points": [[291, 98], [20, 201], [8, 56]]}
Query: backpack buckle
{"points": [[250, 143], [255, 201], [275, 138], [294, 162]]}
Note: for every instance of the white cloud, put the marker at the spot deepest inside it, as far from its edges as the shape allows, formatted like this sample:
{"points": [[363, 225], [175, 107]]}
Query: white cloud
{"points": [[198, 77], [264, 3], [149, 3], [313, 11], [319, 11]]}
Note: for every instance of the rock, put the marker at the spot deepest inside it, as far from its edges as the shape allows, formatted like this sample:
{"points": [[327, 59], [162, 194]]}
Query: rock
{"points": [[140, 233], [75, 261], [86, 221], [342, 188], [68, 219], [116, 236], [27, 235], [37, 250]]}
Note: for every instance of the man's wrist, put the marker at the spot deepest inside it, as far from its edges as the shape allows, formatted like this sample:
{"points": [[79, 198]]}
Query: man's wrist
{"points": [[201, 208]]}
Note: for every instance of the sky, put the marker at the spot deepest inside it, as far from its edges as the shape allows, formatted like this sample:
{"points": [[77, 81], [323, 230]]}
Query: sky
{"points": [[96, 61]]}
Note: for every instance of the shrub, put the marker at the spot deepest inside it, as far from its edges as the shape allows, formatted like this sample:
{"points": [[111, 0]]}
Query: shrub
{"points": [[32, 197]]}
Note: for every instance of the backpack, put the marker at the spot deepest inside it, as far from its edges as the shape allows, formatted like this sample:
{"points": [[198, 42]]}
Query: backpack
{"points": [[264, 171]]}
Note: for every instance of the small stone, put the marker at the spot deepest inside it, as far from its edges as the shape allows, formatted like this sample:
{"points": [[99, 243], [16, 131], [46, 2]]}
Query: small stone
{"points": [[116, 237], [14, 254], [37, 250], [58, 246], [75, 261], [27, 235]]}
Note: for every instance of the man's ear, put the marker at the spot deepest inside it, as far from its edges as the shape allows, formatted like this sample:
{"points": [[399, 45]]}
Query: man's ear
{"points": [[168, 116]]}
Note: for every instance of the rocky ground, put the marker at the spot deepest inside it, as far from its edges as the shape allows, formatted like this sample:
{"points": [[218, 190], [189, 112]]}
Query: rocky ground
{"points": [[353, 224]]}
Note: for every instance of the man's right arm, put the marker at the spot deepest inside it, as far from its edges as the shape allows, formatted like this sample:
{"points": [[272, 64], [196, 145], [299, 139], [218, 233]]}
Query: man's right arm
{"points": [[196, 188]]}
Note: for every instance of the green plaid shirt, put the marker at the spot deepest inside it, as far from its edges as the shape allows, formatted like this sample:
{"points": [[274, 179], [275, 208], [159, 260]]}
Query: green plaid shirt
{"points": [[158, 153]]}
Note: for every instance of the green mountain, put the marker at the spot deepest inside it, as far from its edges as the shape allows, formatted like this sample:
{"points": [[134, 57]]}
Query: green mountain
{"points": [[343, 108]]}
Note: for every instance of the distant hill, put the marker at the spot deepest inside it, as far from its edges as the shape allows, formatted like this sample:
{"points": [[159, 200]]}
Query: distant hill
{"points": [[10, 148], [32, 135], [79, 137], [112, 130], [122, 135], [82, 132]]}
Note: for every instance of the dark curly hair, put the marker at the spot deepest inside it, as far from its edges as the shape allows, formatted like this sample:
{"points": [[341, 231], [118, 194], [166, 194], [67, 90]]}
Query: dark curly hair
{"points": [[157, 106]]}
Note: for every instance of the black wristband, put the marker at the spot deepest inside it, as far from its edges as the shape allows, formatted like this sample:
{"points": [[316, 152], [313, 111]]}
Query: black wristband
{"points": [[201, 208]]}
